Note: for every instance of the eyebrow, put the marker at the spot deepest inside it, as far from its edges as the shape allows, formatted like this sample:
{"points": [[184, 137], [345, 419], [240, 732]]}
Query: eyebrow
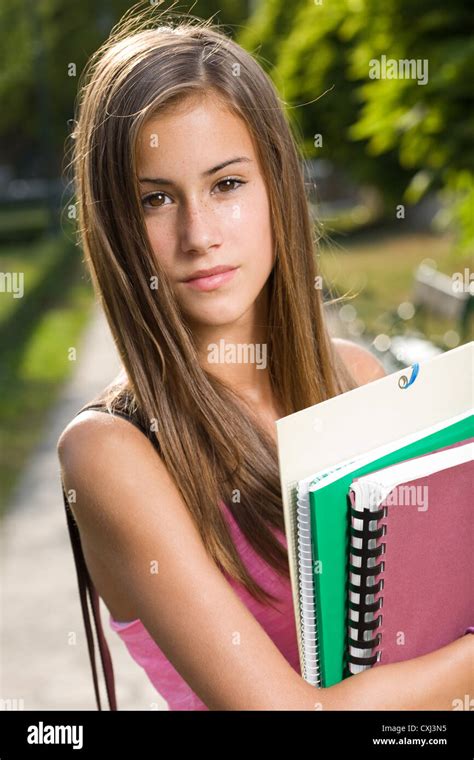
{"points": [[207, 173]]}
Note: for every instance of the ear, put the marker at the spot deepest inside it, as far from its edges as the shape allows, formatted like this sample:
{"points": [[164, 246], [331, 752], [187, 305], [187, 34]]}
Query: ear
{"points": [[360, 362]]}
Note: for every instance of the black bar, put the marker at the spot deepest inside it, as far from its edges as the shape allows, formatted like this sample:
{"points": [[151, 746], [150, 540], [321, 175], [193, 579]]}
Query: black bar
{"points": [[150, 734]]}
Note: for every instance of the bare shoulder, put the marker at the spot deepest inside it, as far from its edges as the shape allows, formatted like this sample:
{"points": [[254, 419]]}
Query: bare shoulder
{"points": [[91, 429], [94, 436], [361, 362], [99, 453]]}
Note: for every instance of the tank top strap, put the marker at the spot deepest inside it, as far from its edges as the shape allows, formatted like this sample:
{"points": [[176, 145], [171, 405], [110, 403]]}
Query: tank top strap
{"points": [[119, 413]]}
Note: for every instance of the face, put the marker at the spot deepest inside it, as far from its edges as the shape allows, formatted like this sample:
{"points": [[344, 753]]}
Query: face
{"points": [[201, 215]]}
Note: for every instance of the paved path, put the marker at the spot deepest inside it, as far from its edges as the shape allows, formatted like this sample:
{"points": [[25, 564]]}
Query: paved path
{"points": [[39, 599]]}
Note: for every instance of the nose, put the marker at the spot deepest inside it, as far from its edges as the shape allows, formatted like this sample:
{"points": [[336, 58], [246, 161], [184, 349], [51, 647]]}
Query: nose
{"points": [[199, 227]]}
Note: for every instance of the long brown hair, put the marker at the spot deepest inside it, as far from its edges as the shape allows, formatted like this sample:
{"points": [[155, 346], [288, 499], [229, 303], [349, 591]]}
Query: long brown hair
{"points": [[208, 437]]}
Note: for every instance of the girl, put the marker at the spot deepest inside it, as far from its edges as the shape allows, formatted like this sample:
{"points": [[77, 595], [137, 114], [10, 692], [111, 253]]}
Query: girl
{"points": [[195, 226]]}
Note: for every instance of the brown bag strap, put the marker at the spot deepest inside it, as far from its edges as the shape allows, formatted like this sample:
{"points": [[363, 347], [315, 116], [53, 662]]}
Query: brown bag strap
{"points": [[87, 587]]}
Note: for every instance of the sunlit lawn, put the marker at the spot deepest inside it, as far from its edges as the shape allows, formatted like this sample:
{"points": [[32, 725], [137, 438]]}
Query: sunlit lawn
{"points": [[379, 267]]}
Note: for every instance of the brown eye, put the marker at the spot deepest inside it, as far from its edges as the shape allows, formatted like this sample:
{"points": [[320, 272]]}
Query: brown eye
{"points": [[149, 201], [232, 181]]}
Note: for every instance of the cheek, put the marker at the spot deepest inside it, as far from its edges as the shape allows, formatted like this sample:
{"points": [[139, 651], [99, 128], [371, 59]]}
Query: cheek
{"points": [[257, 230], [161, 242]]}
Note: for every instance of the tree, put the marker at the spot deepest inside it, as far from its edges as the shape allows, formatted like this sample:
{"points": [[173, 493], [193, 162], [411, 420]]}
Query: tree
{"points": [[399, 134], [429, 124], [44, 46]]}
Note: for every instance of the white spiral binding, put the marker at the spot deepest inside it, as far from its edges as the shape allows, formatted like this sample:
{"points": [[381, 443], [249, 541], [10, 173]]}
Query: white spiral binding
{"points": [[309, 633]]}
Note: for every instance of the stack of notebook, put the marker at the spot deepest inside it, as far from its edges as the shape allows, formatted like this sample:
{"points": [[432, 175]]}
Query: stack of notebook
{"points": [[377, 494]]}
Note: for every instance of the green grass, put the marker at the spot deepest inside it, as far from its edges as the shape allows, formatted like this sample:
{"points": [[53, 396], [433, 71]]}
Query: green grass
{"points": [[32, 261], [378, 269], [23, 222], [21, 216], [37, 334]]}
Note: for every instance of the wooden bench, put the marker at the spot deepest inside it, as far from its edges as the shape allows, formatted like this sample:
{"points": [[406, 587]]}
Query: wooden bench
{"points": [[433, 293], [436, 293]]}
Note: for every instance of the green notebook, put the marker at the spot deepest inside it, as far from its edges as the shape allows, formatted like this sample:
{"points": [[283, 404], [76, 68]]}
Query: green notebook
{"points": [[329, 516]]}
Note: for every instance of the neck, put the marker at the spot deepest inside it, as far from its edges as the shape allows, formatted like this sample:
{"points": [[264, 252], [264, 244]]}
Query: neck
{"points": [[237, 353]]}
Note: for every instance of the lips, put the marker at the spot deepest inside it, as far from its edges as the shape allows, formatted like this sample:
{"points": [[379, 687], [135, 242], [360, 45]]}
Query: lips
{"points": [[205, 282], [208, 272]]}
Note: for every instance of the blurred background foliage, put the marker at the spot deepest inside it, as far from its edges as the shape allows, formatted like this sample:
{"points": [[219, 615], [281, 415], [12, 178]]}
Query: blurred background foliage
{"points": [[404, 137], [370, 147]]}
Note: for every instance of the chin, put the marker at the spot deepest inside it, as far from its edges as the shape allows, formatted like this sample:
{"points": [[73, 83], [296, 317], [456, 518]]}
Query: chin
{"points": [[217, 316]]}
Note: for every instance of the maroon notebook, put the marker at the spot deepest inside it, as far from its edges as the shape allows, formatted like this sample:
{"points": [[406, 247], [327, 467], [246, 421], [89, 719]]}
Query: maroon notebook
{"points": [[411, 557]]}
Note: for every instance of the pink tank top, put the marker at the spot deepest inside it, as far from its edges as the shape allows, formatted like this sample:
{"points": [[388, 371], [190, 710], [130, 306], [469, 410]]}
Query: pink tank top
{"points": [[278, 623]]}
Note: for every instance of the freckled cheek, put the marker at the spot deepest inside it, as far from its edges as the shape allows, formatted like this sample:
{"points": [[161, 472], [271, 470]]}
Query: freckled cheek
{"points": [[161, 242], [249, 219], [256, 230]]}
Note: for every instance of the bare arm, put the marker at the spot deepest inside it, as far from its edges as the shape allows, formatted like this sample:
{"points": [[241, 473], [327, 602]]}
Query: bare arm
{"points": [[430, 682], [189, 608]]}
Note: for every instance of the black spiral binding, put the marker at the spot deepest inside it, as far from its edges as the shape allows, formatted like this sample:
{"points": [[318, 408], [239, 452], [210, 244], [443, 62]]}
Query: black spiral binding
{"points": [[361, 625]]}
